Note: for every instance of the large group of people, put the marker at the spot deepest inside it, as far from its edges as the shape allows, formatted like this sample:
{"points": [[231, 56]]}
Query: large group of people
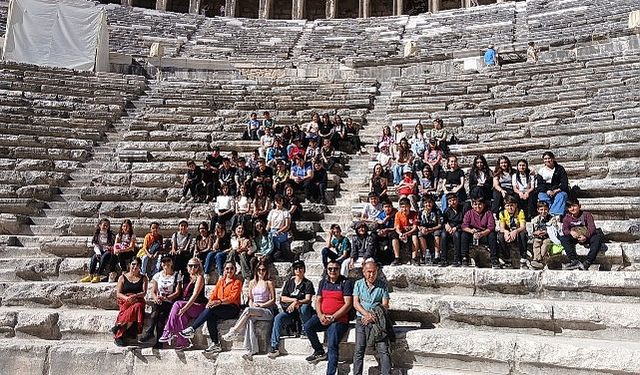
{"points": [[438, 212], [439, 220]]}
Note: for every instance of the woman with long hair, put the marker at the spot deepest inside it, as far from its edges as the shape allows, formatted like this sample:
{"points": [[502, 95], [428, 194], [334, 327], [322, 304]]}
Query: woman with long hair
{"points": [[262, 300], [378, 182], [502, 183], [524, 188], [404, 158], [188, 307], [165, 289], [103, 241], [204, 242], [125, 245], [480, 179], [242, 249], [419, 141], [242, 215], [261, 204], [130, 292]]}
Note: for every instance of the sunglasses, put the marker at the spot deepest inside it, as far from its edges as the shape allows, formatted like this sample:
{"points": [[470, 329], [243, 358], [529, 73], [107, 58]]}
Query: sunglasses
{"points": [[331, 269], [192, 265]]}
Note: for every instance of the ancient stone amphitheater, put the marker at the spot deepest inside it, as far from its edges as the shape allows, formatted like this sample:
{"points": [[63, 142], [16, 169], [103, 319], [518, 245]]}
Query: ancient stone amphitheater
{"points": [[78, 146]]}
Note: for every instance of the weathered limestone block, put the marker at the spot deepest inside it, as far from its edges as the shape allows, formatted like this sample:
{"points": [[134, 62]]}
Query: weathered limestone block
{"points": [[153, 361], [31, 294], [156, 180], [113, 179], [313, 211], [12, 223], [508, 281], [591, 285], [36, 269], [100, 193], [22, 356], [164, 210], [89, 359], [83, 209], [8, 320], [620, 319], [435, 280], [415, 307], [73, 268], [139, 169], [120, 209], [305, 230], [78, 324], [34, 165], [41, 192], [67, 246], [39, 323]]}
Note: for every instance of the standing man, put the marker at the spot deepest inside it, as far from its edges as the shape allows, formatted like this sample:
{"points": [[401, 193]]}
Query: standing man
{"points": [[296, 305], [371, 301], [333, 303]]}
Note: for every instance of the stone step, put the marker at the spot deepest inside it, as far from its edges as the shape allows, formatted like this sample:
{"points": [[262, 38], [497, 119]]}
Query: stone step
{"points": [[619, 286], [542, 316], [485, 351]]}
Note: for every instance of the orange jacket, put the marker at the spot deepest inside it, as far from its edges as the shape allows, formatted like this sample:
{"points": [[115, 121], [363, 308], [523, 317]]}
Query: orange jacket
{"points": [[229, 293]]}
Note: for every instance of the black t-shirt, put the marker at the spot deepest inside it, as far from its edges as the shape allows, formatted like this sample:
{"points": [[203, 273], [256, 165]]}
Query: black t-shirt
{"points": [[290, 289], [453, 217], [453, 177], [215, 162], [265, 174], [225, 242]]}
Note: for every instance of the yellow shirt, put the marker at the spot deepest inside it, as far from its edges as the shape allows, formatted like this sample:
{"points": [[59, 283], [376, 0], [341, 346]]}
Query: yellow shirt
{"points": [[505, 219]]}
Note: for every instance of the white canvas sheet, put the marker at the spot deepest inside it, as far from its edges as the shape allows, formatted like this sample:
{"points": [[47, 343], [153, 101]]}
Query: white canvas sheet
{"points": [[58, 33]]}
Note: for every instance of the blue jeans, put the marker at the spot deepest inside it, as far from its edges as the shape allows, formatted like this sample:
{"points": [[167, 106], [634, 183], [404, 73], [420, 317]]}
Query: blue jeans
{"points": [[145, 264], [304, 314], [212, 260], [397, 173], [335, 332], [104, 262], [557, 204]]}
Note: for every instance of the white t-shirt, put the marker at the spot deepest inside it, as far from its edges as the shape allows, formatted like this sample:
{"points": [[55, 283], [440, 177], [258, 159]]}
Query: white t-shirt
{"points": [[277, 217], [371, 211], [166, 284], [224, 203], [546, 174]]}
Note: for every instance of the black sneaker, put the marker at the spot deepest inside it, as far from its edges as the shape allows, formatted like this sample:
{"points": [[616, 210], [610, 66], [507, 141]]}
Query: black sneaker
{"points": [[396, 262], [572, 265], [115, 329], [585, 265], [120, 341], [495, 264], [316, 357], [147, 337], [456, 263], [443, 263], [465, 262]]}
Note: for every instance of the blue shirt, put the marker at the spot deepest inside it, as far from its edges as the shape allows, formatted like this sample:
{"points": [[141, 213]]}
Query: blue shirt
{"points": [[298, 171], [490, 56], [370, 298]]}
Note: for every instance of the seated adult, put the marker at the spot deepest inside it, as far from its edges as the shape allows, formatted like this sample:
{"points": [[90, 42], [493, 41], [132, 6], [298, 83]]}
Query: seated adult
{"points": [[552, 184], [333, 303], [479, 226], [266, 142], [262, 306], [453, 179], [280, 177], [242, 210], [452, 220], [278, 225], [338, 248], [353, 137], [226, 176], [578, 226], [404, 159], [292, 203], [223, 303], [102, 241], [264, 245], [191, 182], [188, 307], [295, 301], [182, 243], [378, 182], [441, 135], [130, 292], [480, 179], [363, 246], [165, 289], [371, 301], [252, 127], [261, 204]]}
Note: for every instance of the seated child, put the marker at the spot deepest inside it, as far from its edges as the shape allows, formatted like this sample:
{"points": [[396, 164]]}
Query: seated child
{"points": [[545, 234], [338, 249], [479, 226], [578, 227], [513, 230], [452, 219], [386, 232], [407, 187], [429, 231], [406, 226]]}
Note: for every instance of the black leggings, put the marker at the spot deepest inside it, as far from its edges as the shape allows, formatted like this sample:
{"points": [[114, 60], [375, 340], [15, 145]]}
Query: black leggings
{"points": [[211, 317], [159, 316]]}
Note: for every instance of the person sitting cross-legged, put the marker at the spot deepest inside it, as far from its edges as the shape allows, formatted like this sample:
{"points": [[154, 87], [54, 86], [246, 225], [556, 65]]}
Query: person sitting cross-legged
{"points": [[371, 301], [296, 305], [333, 303], [224, 303], [479, 226]]}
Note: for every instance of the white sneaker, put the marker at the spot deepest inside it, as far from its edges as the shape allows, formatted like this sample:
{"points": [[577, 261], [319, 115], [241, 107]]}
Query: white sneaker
{"points": [[183, 199], [188, 333], [229, 336], [190, 200]]}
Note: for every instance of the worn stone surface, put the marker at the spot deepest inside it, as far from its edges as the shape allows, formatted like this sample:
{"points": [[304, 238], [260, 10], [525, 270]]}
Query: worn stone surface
{"points": [[41, 324]]}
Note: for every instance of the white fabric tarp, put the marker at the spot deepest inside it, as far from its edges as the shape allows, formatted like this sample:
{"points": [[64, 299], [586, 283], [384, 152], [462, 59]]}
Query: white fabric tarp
{"points": [[59, 33]]}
